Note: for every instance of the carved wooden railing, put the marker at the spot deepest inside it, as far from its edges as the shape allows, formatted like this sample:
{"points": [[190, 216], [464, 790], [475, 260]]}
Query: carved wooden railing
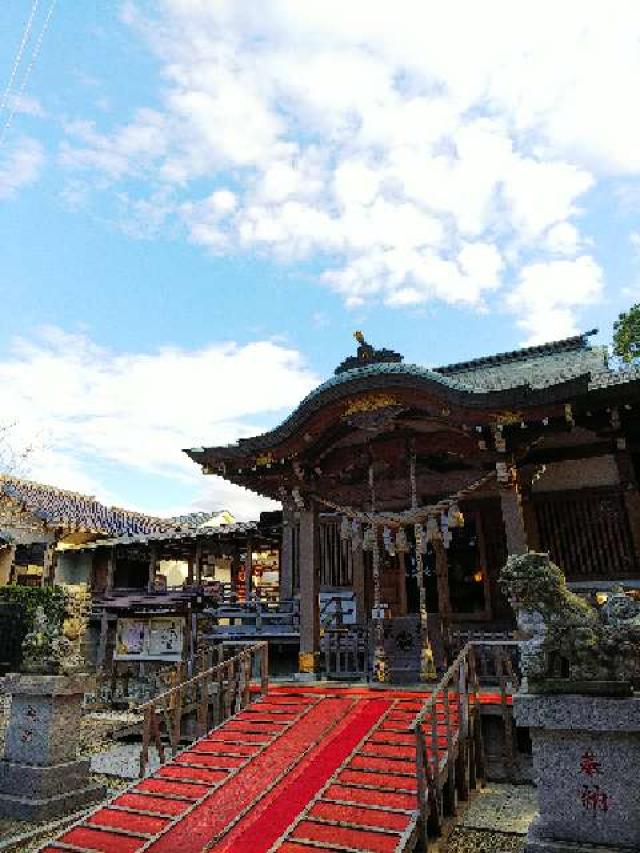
{"points": [[449, 747], [213, 695], [345, 652]]}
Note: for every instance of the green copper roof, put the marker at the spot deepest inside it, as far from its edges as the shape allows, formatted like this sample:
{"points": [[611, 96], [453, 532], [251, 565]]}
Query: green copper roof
{"points": [[385, 369]]}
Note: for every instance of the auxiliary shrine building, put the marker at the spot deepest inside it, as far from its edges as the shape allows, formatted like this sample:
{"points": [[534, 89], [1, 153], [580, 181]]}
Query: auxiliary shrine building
{"points": [[405, 489]]}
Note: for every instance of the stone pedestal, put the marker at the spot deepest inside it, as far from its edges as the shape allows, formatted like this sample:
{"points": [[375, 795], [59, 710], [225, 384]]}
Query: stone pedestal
{"points": [[586, 761], [40, 776]]}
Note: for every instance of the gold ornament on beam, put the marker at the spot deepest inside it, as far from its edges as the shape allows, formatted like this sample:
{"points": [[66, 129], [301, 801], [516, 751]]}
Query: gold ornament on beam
{"points": [[508, 418], [266, 459], [370, 403]]}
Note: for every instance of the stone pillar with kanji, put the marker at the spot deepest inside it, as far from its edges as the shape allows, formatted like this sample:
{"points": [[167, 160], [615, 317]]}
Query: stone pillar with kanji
{"points": [[586, 761]]}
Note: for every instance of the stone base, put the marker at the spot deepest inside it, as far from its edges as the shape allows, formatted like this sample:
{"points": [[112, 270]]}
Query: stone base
{"points": [[36, 810], [309, 663], [541, 845], [43, 793], [586, 759]]}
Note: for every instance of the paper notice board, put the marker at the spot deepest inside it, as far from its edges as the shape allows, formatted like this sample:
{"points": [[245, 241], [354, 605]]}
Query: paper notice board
{"points": [[159, 638]]}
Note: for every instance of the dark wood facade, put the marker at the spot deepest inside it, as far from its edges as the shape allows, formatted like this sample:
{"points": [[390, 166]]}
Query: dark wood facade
{"points": [[551, 434]]}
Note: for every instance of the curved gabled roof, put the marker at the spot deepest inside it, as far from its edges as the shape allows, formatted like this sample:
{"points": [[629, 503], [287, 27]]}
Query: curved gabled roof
{"points": [[395, 376]]}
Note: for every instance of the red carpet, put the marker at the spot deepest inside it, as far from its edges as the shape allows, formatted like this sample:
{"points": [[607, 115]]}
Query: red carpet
{"points": [[279, 808], [324, 767], [217, 812]]}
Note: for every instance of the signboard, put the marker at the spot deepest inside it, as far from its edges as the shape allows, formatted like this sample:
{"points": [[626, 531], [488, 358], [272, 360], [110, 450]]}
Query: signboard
{"points": [[158, 638], [381, 612], [337, 607]]}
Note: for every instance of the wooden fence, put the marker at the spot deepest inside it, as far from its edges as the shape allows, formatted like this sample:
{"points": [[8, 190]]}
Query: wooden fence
{"points": [[209, 697], [346, 652], [449, 747]]}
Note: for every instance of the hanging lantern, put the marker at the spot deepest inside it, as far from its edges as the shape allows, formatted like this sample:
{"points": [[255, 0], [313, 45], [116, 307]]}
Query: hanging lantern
{"points": [[345, 530], [402, 545]]}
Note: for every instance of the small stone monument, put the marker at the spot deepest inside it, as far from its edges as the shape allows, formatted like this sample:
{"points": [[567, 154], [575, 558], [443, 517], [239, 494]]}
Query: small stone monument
{"points": [[583, 716], [40, 775]]}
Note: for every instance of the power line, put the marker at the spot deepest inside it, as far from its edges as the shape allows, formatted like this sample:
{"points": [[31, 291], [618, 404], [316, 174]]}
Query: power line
{"points": [[18, 57], [34, 56]]}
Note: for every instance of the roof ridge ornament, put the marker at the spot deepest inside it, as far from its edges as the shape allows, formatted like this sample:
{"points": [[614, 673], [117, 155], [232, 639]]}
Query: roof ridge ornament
{"points": [[366, 355]]}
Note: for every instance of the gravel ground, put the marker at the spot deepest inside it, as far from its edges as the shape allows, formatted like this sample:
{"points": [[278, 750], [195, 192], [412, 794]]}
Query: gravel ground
{"points": [[495, 821]]}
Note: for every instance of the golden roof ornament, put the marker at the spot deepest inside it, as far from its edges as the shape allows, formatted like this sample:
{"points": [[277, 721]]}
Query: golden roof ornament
{"points": [[367, 354]]}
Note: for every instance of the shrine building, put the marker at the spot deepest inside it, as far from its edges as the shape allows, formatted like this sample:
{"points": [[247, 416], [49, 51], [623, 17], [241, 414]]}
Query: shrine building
{"points": [[404, 489]]}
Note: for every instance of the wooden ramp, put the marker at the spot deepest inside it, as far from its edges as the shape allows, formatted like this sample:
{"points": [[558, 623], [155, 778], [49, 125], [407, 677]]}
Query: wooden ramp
{"points": [[298, 770]]}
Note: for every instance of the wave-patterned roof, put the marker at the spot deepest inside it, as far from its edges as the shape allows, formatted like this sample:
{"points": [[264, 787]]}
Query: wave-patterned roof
{"points": [[76, 512]]}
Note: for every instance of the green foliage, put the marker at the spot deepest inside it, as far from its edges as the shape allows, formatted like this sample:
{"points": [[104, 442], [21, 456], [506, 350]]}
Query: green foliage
{"points": [[28, 598], [626, 334]]}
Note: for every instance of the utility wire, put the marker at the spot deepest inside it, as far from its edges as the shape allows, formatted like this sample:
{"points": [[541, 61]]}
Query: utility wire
{"points": [[34, 56], [18, 57]]}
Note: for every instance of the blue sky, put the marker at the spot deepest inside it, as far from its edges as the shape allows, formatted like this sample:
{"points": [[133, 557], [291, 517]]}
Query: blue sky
{"points": [[200, 202]]}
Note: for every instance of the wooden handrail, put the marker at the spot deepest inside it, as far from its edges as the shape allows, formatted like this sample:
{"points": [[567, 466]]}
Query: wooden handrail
{"points": [[454, 704], [233, 692]]}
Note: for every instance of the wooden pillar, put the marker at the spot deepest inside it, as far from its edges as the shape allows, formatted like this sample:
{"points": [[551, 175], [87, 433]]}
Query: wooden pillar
{"points": [[49, 564], [153, 563], [630, 494], [309, 590], [235, 568], [484, 564], [111, 568], [442, 581], [248, 570], [515, 533], [102, 644], [359, 587], [530, 519], [197, 562], [401, 584], [7, 558], [190, 563], [286, 555]]}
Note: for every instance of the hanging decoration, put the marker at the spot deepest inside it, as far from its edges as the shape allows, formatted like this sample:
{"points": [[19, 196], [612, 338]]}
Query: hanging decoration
{"points": [[402, 544], [380, 666], [389, 544], [368, 538], [427, 664]]}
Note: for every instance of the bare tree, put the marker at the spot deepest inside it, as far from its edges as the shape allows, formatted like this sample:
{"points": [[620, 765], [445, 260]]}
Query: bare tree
{"points": [[14, 454]]}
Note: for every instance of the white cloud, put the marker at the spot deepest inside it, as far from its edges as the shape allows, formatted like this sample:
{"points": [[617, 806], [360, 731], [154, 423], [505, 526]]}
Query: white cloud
{"points": [[548, 293], [383, 139], [20, 165], [563, 239], [138, 410]]}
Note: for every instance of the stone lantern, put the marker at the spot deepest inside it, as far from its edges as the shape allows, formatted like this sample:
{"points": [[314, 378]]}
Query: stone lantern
{"points": [[40, 775]]}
